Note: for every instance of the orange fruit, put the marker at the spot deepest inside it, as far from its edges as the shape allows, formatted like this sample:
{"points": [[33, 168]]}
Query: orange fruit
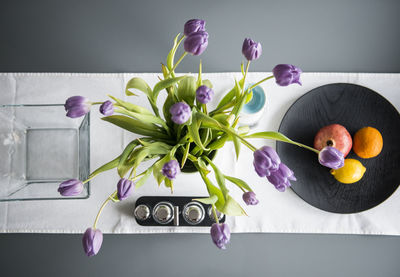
{"points": [[367, 142]]}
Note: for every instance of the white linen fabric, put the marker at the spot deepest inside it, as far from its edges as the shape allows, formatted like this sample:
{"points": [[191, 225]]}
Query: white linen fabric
{"points": [[277, 212]]}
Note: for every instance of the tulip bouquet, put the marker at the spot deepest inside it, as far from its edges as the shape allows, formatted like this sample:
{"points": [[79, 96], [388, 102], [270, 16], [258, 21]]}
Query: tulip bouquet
{"points": [[185, 134]]}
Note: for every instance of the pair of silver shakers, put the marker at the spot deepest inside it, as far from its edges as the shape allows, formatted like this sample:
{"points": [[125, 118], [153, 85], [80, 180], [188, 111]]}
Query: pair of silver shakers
{"points": [[174, 211]]}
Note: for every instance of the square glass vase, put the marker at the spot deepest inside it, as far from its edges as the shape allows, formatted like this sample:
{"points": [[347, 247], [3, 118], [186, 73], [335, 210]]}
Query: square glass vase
{"points": [[40, 148]]}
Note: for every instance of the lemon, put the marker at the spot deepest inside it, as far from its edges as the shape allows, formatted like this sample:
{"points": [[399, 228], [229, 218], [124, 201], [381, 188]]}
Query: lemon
{"points": [[351, 172]]}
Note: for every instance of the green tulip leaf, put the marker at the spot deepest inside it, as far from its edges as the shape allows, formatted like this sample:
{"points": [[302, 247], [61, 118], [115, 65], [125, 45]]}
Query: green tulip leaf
{"points": [[193, 130], [185, 154], [142, 180], [236, 143], [169, 184], [139, 84], [207, 83], [239, 182], [232, 208], [124, 165], [219, 177], [130, 107], [187, 90], [110, 165], [213, 190], [199, 81], [163, 85], [171, 54], [208, 200], [135, 126], [218, 142]]}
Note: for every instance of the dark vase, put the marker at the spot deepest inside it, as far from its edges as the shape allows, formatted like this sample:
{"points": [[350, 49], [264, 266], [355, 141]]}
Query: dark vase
{"points": [[189, 167]]}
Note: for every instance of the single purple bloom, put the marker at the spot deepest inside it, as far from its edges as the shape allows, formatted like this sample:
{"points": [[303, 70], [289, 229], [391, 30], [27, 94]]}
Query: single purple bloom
{"points": [[180, 112], [331, 157], [220, 234], [194, 26], [250, 198], [171, 169], [286, 74], [282, 177], [91, 241], [124, 188], [251, 50], [196, 43], [77, 106], [107, 108], [70, 187], [266, 160], [204, 94]]}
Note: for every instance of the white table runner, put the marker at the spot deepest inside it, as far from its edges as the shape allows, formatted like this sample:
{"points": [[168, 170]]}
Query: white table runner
{"points": [[276, 212]]}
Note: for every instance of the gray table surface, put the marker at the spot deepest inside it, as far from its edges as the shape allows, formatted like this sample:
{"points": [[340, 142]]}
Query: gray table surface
{"points": [[134, 36]]}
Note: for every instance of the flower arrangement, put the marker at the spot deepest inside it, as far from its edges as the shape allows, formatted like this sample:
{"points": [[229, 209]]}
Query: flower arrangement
{"points": [[188, 134]]}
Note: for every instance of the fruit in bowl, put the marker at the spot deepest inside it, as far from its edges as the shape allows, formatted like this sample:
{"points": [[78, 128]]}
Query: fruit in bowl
{"points": [[351, 172], [368, 142], [334, 135]]}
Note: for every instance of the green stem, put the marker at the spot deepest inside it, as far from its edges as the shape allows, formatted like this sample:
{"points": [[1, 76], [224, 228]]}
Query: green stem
{"points": [[215, 214], [260, 82], [96, 103], [102, 207], [177, 63], [171, 71], [205, 108]]}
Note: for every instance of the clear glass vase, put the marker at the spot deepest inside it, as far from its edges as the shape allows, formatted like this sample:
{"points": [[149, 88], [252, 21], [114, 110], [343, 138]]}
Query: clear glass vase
{"points": [[40, 148]]}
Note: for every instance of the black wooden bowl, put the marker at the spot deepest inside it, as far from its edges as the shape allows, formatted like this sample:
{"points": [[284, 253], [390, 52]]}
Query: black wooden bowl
{"points": [[354, 107]]}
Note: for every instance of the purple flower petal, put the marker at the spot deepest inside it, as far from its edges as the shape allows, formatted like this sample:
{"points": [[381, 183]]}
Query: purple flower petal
{"points": [[331, 157], [220, 234], [124, 188], [196, 43], [171, 169], [204, 94], [194, 26], [180, 112], [251, 50], [70, 187], [286, 74], [107, 108], [250, 198], [91, 241]]}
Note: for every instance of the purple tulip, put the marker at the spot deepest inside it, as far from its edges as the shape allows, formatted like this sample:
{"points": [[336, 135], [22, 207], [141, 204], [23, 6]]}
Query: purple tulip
{"points": [[266, 160], [251, 50], [171, 169], [331, 157], [196, 43], [70, 187], [220, 234], [282, 177], [180, 112], [91, 241], [250, 198], [77, 106], [204, 94], [124, 188], [194, 26], [107, 108], [286, 74]]}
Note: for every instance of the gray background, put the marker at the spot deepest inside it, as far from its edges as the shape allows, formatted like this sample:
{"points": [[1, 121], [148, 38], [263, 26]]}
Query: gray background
{"points": [[134, 36]]}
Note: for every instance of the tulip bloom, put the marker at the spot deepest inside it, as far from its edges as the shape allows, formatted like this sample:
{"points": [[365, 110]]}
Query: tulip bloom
{"points": [[196, 43], [251, 50], [171, 169], [250, 198], [77, 106], [220, 234], [282, 177], [124, 188], [266, 160], [204, 94], [91, 241], [107, 108], [70, 187], [194, 26], [286, 74], [331, 157], [180, 112]]}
